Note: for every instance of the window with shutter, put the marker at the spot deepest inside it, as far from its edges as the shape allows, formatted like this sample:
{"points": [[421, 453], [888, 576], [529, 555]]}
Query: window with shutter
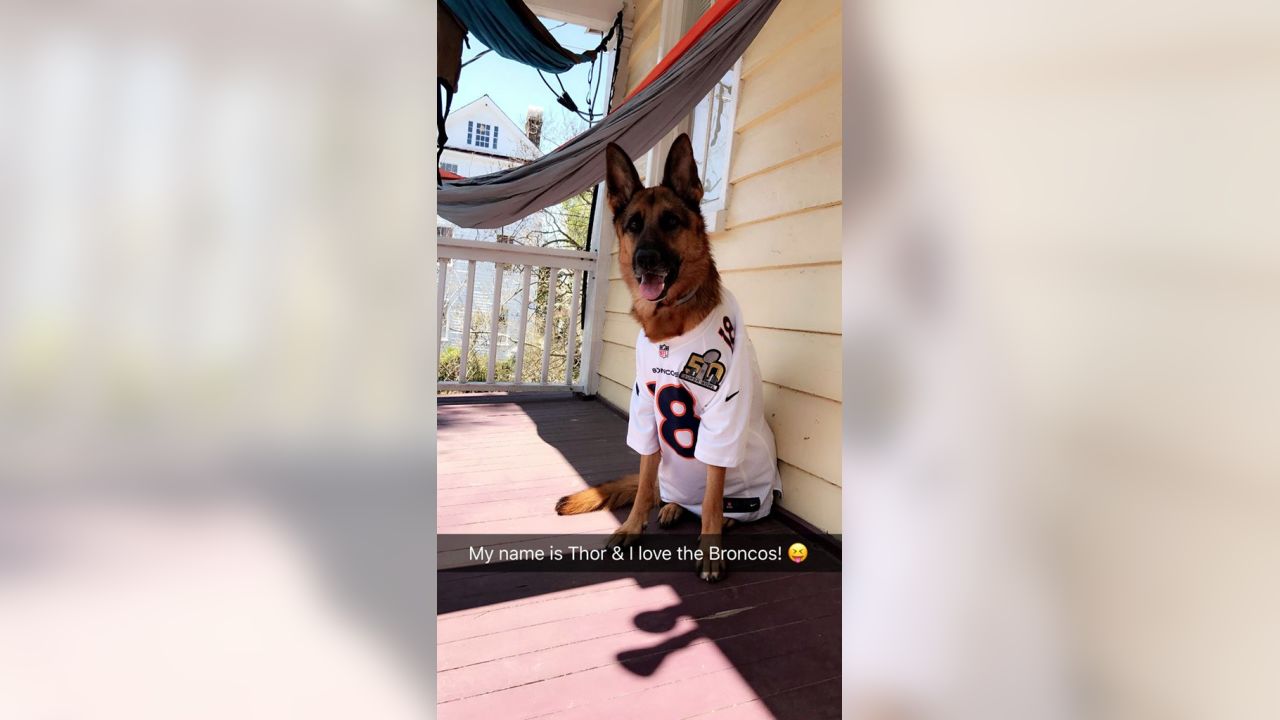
{"points": [[711, 131]]}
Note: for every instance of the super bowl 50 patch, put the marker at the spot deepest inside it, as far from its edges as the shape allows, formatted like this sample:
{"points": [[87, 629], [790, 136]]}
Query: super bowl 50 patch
{"points": [[704, 369]]}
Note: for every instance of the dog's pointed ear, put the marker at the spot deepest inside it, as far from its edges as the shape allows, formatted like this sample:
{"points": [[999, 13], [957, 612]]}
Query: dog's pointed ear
{"points": [[621, 179], [681, 174]]}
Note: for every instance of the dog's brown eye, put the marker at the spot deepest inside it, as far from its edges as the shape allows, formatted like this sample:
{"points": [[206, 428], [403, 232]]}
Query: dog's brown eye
{"points": [[635, 224], [669, 221]]}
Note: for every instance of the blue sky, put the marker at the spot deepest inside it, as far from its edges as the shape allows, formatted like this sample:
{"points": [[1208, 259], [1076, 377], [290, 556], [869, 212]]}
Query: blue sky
{"points": [[514, 87]]}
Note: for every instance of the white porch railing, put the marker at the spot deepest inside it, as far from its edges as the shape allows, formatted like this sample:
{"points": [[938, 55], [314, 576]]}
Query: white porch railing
{"points": [[582, 265]]}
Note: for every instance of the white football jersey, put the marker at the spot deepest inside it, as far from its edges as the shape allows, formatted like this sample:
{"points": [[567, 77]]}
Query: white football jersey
{"points": [[697, 399]]}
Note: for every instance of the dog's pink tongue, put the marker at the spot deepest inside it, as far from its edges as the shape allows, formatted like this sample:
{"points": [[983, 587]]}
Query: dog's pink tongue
{"points": [[651, 285]]}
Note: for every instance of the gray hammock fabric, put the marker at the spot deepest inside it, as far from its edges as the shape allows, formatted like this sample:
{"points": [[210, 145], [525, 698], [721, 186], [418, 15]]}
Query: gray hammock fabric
{"points": [[501, 198]]}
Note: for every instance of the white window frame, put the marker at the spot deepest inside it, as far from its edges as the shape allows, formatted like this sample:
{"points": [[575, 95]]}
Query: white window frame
{"points": [[669, 33], [450, 167], [714, 212]]}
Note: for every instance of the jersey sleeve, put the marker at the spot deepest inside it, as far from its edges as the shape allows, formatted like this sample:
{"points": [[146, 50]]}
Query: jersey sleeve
{"points": [[642, 428], [726, 417]]}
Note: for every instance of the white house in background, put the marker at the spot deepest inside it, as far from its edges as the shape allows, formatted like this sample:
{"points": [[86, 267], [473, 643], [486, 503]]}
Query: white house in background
{"points": [[483, 139], [482, 136]]}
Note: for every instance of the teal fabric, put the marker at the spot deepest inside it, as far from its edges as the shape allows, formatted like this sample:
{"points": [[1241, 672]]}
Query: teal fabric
{"points": [[504, 26]]}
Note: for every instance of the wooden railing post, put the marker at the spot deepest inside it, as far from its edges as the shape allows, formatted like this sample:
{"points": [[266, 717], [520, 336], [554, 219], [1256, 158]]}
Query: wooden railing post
{"points": [[524, 325], [466, 322], [496, 310]]}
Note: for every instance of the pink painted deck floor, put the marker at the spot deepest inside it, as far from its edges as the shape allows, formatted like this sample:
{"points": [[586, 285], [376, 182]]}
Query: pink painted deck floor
{"points": [[607, 645]]}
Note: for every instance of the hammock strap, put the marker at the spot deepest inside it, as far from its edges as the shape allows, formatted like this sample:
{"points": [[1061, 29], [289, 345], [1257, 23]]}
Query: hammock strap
{"points": [[597, 70]]}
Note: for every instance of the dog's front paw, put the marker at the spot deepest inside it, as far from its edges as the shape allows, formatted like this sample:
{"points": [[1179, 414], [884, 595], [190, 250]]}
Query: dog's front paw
{"points": [[669, 514], [626, 535], [711, 565]]}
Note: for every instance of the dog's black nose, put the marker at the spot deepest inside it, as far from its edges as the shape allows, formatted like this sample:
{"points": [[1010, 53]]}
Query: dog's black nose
{"points": [[645, 258]]}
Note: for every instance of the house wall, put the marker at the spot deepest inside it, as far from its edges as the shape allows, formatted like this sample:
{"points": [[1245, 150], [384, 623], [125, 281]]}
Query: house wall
{"points": [[780, 250], [470, 164]]}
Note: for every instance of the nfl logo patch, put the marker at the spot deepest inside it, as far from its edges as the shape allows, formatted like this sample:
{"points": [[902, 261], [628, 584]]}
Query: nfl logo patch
{"points": [[663, 350]]}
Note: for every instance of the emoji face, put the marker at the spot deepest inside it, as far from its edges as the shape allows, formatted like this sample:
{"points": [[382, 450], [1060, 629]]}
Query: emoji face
{"points": [[797, 552]]}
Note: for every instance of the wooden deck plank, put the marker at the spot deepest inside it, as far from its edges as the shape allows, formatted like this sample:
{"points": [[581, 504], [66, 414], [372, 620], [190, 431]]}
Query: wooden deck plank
{"points": [[626, 595], [816, 701], [760, 604], [514, 476], [785, 645], [663, 630], [605, 644], [773, 677], [542, 590]]}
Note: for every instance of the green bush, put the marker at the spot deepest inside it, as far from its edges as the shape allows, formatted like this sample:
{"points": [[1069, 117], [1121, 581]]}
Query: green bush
{"points": [[449, 360], [477, 367], [505, 370]]}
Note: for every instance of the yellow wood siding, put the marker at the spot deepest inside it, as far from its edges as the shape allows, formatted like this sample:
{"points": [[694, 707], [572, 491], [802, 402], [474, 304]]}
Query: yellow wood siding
{"points": [[615, 394], [782, 235], [644, 43], [808, 183], [799, 298]]}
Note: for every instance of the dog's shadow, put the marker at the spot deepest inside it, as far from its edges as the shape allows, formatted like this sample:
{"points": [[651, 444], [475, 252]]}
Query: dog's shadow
{"points": [[646, 661]]}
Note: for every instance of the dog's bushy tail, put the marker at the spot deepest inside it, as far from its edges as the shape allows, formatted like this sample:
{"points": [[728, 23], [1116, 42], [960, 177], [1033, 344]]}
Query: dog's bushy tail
{"points": [[610, 495]]}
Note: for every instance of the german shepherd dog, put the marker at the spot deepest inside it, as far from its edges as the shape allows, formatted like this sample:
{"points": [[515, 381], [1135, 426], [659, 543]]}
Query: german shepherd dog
{"points": [[665, 257]]}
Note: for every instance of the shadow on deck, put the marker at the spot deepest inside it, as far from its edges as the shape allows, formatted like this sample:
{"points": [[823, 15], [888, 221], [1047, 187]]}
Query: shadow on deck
{"points": [[604, 644]]}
